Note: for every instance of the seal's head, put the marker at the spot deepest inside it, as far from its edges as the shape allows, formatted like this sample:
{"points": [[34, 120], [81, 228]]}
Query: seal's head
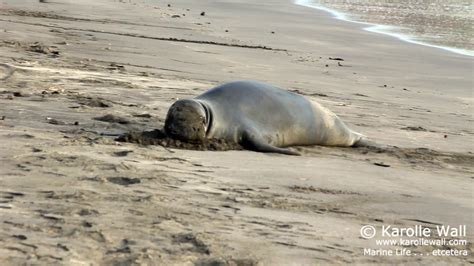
{"points": [[186, 120]]}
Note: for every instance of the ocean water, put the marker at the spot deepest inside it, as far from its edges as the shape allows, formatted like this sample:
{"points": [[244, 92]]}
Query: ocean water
{"points": [[444, 24]]}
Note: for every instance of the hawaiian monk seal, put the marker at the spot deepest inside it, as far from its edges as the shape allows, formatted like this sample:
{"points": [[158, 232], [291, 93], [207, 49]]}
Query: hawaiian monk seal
{"points": [[258, 116]]}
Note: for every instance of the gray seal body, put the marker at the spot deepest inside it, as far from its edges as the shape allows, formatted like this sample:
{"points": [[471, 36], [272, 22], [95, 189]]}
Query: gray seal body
{"points": [[259, 116]]}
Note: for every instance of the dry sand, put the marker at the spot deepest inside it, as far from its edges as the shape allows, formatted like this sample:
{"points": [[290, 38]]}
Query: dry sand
{"points": [[71, 194]]}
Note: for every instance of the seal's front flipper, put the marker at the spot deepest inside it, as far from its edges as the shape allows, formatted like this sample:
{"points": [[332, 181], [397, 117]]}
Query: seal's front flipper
{"points": [[257, 143]]}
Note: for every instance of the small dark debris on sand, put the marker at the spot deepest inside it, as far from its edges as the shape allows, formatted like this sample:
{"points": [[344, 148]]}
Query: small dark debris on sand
{"points": [[115, 66], [159, 137], [308, 94], [203, 13], [21, 237], [336, 58], [124, 181], [381, 164], [54, 121], [414, 128], [112, 119], [122, 153], [86, 224], [144, 115]]}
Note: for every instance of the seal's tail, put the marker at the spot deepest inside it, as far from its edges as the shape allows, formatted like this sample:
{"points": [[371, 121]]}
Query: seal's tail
{"points": [[9, 71]]}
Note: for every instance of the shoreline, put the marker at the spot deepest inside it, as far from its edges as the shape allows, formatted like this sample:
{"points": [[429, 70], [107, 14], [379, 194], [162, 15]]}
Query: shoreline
{"points": [[382, 29], [87, 71]]}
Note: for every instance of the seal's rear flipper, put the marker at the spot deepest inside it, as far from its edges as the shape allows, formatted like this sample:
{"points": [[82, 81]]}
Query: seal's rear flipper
{"points": [[257, 143]]}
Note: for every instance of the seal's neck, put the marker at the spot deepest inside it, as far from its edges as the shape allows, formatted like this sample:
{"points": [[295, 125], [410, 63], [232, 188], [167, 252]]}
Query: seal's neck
{"points": [[209, 116]]}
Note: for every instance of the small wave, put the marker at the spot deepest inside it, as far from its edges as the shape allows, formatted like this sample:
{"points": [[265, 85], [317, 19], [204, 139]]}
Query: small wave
{"points": [[382, 29]]}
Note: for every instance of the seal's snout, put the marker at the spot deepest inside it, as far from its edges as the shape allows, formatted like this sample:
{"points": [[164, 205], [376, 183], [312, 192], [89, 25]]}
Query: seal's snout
{"points": [[186, 120]]}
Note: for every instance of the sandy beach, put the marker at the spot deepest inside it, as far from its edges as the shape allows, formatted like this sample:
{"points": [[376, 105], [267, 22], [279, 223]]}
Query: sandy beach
{"points": [[85, 72]]}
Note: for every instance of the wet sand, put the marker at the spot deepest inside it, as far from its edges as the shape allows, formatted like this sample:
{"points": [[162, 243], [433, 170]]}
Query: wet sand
{"points": [[86, 73]]}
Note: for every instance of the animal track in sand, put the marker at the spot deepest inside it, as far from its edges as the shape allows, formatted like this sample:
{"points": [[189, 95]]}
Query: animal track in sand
{"points": [[50, 15], [169, 39], [416, 157]]}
